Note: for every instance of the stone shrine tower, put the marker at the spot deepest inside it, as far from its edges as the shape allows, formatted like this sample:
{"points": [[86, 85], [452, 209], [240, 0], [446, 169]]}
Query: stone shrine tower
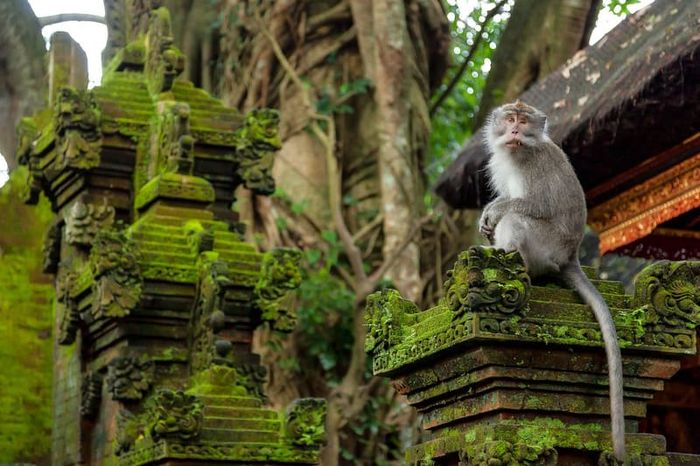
{"points": [[157, 292]]}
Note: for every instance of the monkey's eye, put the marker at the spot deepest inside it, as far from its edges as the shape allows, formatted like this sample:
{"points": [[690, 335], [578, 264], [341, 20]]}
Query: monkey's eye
{"points": [[510, 119], [523, 121]]}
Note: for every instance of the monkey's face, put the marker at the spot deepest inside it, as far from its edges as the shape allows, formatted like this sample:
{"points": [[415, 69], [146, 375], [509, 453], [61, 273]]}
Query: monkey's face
{"points": [[515, 127]]}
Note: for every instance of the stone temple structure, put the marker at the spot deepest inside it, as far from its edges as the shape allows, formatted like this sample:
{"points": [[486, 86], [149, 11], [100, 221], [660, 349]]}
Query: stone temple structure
{"points": [[509, 372], [157, 292]]}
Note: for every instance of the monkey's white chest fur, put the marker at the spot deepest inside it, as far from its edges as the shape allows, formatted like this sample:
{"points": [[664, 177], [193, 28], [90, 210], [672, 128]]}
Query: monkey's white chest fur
{"points": [[506, 178]]}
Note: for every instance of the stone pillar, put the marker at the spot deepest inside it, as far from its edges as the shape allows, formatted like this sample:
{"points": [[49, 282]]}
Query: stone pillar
{"points": [[507, 372]]}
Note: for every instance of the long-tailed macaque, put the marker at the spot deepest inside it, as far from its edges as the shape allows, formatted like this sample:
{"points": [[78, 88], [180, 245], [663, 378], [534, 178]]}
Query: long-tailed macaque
{"points": [[540, 211]]}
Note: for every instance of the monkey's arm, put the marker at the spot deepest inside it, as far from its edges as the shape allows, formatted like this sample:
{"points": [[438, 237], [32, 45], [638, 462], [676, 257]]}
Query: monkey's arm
{"points": [[494, 212]]}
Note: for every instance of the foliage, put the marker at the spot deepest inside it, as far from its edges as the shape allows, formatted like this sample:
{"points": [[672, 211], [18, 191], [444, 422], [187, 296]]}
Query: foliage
{"points": [[25, 329], [619, 7], [325, 321], [453, 121]]}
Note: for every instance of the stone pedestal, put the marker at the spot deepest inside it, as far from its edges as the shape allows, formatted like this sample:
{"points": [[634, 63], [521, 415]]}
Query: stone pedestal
{"points": [[507, 372]]}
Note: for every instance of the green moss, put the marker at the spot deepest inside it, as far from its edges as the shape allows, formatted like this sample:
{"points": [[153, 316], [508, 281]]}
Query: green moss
{"points": [[26, 302]]}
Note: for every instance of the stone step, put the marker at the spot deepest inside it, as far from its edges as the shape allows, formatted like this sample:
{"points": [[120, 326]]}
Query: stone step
{"points": [[166, 246], [237, 412], [591, 272], [165, 256], [570, 312], [230, 401], [239, 256], [182, 212], [229, 435], [562, 295], [242, 424], [604, 286]]}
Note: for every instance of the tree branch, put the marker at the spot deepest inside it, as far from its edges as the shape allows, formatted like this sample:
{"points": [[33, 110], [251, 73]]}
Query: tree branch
{"points": [[465, 64], [64, 17]]}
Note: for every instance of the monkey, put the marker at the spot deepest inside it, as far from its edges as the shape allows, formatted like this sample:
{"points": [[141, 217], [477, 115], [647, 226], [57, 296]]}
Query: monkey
{"points": [[540, 211]]}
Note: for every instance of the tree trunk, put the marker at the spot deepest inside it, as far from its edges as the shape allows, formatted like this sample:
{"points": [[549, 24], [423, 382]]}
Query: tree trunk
{"points": [[352, 89], [22, 71], [539, 37]]}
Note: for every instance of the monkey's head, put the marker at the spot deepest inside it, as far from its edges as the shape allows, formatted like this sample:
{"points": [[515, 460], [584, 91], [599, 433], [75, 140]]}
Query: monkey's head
{"points": [[515, 128]]}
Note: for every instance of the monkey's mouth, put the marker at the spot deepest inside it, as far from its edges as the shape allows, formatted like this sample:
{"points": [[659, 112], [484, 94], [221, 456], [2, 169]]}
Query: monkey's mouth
{"points": [[514, 143]]}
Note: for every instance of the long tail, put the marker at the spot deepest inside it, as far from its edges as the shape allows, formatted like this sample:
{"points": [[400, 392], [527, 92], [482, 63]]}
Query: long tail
{"points": [[575, 278]]}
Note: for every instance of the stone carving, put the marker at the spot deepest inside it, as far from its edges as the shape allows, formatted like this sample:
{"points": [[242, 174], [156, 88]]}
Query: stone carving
{"points": [[608, 459], [257, 142], [487, 280], [90, 394], [500, 452], [207, 318], [174, 414], [383, 314], [129, 428], [279, 276], [66, 309], [84, 220], [253, 378], [117, 279], [669, 292], [77, 127], [305, 422], [175, 145], [128, 378], [164, 62], [52, 248]]}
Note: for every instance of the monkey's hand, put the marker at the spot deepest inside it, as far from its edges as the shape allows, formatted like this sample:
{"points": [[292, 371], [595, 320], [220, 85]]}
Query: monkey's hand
{"points": [[492, 214], [486, 225]]}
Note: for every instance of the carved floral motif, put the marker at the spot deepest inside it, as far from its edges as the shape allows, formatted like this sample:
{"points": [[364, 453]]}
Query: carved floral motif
{"points": [[255, 147], [669, 292], [636, 212], [52, 248], [128, 378], [253, 378], [90, 394], [500, 452], [117, 279], [164, 62], [487, 280], [207, 317], [305, 422], [383, 314], [84, 220], [77, 127], [279, 276], [66, 308], [174, 414]]}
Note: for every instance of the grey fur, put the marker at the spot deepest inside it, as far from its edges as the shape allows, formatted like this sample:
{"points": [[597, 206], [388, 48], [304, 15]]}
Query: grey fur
{"points": [[540, 211]]}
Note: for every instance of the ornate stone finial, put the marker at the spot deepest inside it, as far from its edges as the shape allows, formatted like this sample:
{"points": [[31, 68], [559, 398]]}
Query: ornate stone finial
{"points": [[129, 378], [383, 315], [117, 281], [669, 292], [174, 414], [77, 127], [279, 276], [305, 422], [85, 220], [255, 148], [164, 61], [175, 149], [487, 280]]}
